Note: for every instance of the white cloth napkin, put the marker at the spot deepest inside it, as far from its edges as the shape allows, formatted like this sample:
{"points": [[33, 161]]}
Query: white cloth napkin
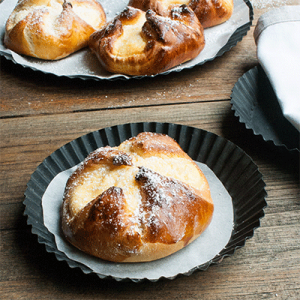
{"points": [[277, 36]]}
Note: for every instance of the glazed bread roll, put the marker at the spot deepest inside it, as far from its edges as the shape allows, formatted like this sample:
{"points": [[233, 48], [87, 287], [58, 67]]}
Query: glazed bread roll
{"points": [[141, 201], [209, 12], [139, 43], [52, 29]]}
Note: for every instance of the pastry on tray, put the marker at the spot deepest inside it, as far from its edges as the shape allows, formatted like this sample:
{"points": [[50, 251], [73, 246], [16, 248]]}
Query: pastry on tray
{"points": [[140, 201], [52, 29], [209, 12], [145, 43]]}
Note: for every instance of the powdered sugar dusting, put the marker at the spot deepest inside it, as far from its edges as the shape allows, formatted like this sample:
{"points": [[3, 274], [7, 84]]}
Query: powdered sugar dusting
{"points": [[92, 184], [169, 211], [154, 186]]}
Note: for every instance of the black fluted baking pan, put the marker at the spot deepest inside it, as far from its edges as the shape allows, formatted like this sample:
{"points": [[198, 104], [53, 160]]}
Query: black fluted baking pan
{"points": [[255, 104], [236, 170]]}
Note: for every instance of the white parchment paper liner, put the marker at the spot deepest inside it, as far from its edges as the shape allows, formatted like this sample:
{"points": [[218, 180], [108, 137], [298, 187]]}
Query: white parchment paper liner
{"points": [[205, 248], [84, 64]]}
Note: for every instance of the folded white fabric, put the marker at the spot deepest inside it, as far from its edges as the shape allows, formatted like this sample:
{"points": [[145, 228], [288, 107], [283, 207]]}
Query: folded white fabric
{"points": [[277, 36]]}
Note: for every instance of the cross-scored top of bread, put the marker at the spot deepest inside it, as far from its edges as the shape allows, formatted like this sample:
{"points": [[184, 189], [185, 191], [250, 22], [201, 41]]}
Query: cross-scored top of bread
{"points": [[145, 43], [52, 29], [141, 201]]}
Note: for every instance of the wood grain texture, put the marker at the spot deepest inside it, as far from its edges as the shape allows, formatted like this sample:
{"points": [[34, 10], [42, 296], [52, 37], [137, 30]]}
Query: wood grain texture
{"points": [[40, 113], [47, 94]]}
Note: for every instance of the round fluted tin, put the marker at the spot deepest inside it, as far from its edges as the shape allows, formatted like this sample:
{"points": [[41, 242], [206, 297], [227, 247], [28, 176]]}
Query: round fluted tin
{"points": [[255, 104], [234, 168], [84, 65]]}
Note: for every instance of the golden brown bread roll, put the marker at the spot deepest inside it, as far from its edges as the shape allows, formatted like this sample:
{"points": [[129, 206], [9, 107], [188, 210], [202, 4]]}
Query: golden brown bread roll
{"points": [[209, 12], [139, 43], [141, 201], [52, 29]]}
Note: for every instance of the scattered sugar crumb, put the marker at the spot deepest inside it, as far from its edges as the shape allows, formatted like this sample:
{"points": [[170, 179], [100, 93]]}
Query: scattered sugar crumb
{"points": [[267, 3]]}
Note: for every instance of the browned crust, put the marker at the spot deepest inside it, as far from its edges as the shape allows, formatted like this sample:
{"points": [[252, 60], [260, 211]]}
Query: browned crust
{"points": [[32, 36], [171, 214], [209, 12], [169, 42], [213, 12], [102, 229], [190, 212], [148, 144], [109, 156]]}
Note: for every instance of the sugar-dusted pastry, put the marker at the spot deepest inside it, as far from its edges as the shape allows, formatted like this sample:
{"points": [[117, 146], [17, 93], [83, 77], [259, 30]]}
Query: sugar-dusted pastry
{"points": [[52, 29], [140, 201], [144, 43], [209, 12]]}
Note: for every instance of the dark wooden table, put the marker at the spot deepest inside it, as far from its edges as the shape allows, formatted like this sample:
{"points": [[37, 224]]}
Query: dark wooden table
{"points": [[40, 113]]}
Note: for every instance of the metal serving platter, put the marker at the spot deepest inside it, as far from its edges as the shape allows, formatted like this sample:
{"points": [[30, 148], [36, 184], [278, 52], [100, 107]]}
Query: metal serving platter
{"points": [[83, 64]]}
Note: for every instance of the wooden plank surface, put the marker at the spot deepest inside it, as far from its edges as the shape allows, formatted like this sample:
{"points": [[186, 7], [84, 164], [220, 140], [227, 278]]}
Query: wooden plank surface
{"points": [[40, 113], [53, 95]]}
